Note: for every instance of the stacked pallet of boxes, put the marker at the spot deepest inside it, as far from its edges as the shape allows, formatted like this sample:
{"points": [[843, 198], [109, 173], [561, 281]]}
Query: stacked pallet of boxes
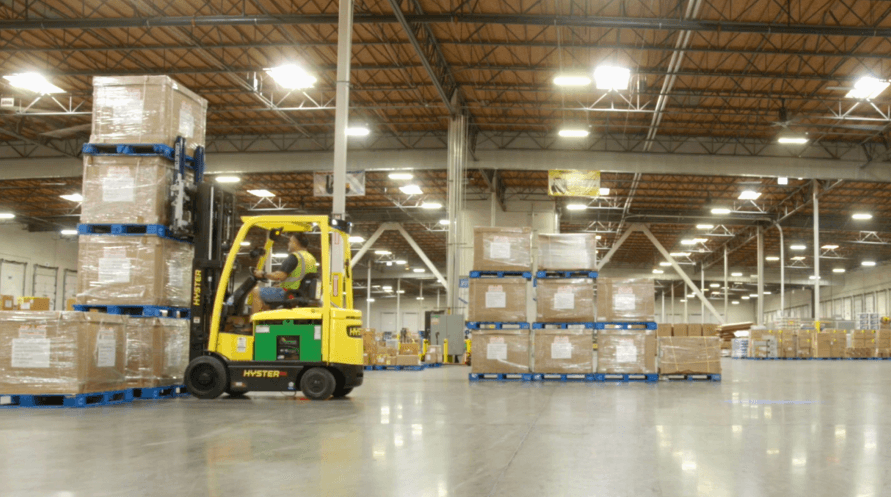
{"points": [[563, 332], [690, 349], [626, 336], [496, 311]]}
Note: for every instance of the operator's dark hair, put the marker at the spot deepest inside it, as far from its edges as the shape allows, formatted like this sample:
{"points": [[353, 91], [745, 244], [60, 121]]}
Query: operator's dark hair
{"points": [[301, 238]]}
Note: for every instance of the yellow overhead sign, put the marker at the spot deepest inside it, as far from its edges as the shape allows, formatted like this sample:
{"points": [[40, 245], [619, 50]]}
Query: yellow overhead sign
{"points": [[571, 183]]}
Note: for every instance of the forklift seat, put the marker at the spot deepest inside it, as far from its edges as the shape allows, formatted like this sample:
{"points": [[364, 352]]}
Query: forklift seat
{"points": [[305, 296]]}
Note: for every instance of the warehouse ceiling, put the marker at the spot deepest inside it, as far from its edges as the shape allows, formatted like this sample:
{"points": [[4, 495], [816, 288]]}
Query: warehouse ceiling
{"points": [[710, 78]]}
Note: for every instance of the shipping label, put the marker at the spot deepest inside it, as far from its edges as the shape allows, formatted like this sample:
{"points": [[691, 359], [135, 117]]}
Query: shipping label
{"points": [[564, 299], [32, 331], [626, 351], [561, 348], [114, 270], [30, 353], [496, 298], [496, 351]]}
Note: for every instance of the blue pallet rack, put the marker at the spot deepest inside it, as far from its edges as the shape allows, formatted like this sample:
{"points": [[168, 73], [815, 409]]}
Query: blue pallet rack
{"points": [[477, 325], [127, 230], [176, 153], [649, 325], [567, 377], [691, 377], [625, 377], [501, 274], [503, 377], [53, 401], [565, 274], [563, 326], [385, 367], [145, 311]]}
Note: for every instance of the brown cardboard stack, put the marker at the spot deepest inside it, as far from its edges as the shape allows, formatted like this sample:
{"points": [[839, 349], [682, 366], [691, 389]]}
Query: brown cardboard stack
{"points": [[626, 351], [147, 109], [502, 249], [51, 352], [663, 330], [501, 300], [434, 354], [7, 303], [133, 270], [501, 351], [567, 252], [407, 360], [568, 351], [569, 300], [679, 329], [883, 343], [126, 189], [33, 304], [369, 342], [690, 355], [763, 344], [156, 352], [823, 345], [625, 299], [694, 330], [709, 330], [860, 343], [806, 343], [410, 348]]}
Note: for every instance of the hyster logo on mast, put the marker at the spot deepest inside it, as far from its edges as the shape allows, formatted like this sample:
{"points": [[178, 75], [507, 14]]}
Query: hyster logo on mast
{"points": [[263, 373]]}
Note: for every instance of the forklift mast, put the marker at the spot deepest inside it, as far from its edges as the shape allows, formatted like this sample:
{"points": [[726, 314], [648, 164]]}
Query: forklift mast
{"points": [[215, 219]]}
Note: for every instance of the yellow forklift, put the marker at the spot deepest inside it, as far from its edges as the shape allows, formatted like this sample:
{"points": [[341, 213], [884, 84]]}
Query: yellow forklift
{"points": [[309, 342]]}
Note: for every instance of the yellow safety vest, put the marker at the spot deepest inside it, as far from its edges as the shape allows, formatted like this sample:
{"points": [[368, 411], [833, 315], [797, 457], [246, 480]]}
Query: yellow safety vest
{"points": [[306, 263]]}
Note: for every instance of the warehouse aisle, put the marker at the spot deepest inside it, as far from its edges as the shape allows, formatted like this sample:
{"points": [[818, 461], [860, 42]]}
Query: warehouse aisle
{"points": [[779, 428]]}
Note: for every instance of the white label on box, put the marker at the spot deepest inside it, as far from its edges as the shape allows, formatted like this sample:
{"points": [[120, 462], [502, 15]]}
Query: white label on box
{"points": [[106, 351], [241, 346], [623, 299], [127, 107], [186, 121], [564, 301], [496, 300], [172, 352], [114, 270], [118, 189], [626, 351], [175, 277], [25, 306], [30, 353], [499, 251], [32, 331], [496, 351], [114, 252], [561, 348], [7, 304]]}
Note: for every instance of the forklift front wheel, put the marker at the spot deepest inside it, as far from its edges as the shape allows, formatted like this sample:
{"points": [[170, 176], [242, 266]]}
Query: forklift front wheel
{"points": [[318, 384], [342, 392], [206, 377]]}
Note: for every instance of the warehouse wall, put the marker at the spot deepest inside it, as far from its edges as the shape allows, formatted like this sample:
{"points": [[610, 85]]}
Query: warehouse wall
{"points": [[407, 305], [45, 249], [744, 311]]}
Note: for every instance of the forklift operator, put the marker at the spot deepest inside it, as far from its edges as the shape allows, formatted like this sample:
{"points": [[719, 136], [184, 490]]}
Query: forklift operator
{"points": [[295, 267]]}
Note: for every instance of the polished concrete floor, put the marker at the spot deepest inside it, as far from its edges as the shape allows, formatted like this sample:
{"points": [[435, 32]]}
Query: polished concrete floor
{"points": [[781, 428]]}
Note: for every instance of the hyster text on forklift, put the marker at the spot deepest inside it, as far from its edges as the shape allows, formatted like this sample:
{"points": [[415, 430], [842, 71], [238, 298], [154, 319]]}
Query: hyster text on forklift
{"points": [[307, 342]]}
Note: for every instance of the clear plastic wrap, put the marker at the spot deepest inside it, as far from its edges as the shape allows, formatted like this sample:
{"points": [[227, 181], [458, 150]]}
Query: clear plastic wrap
{"points": [[500, 300], [740, 348], [147, 109], [133, 270], [502, 249], [53, 352], [562, 351], [125, 189], [567, 252], [176, 350], [502, 351], [690, 355], [565, 300], [626, 299], [434, 354], [157, 351], [626, 351]]}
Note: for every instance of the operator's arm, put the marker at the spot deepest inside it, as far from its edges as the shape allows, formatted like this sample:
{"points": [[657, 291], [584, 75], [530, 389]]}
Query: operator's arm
{"points": [[288, 265]]}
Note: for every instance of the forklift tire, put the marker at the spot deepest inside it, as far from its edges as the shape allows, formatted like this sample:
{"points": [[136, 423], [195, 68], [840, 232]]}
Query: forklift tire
{"points": [[206, 377], [318, 384], [342, 392]]}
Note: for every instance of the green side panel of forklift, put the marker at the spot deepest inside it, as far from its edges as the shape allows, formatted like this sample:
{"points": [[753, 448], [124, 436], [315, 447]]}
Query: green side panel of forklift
{"points": [[287, 342]]}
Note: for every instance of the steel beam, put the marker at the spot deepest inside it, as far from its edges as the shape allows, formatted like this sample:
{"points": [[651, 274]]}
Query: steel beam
{"points": [[421, 254], [342, 102], [368, 244]]}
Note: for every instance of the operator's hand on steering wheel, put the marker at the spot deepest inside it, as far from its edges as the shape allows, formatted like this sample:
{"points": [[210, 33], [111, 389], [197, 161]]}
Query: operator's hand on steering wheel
{"points": [[259, 274]]}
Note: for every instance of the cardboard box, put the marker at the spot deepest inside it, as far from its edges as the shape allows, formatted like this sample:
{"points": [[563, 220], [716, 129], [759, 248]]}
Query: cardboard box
{"points": [[408, 360], [52, 352], [502, 249], [860, 352], [502, 351], [709, 330], [679, 330], [157, 352], [369, 342], [823, 345], [33, 304], [690, 355], [565, 300], [626, 351], [625, 299], [134, 270], [694, 330], [567, 252], [126, 189], [839, 344], [497, 300], [563, 351], [663, 330], [69, 304], [434, 354], [7, 303], [412, 348], [147, 109]]}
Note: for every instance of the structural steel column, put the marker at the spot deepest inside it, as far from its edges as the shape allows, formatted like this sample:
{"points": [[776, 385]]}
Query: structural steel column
{"points": [[368, 296], [702, 302], [663, 306], [342, 104], [782, 274], [816, 253], [457, 155], [760, 307], [398, 306], [672, 303], [726, 285]]}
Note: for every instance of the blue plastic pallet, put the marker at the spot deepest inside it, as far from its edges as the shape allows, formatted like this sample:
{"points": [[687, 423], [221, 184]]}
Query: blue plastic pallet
{"points": [[145, 311], [827, 358], [51, 401], [691, 377], [158, 393], [127, 230], [475, 325], [563, 326], [433, 365], [504, 376], [565, 274], [132, 149], [565, 377], [650, 325], [501, 274], [398, 368], [625, 377]]}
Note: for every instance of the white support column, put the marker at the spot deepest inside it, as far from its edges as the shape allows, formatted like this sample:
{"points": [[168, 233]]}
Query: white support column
{"points": [[367, 245], [663, 306], [759, 318], [398, 306], [368, 302], [702, 303], [782, 274], [342, 104], [726, 284], [686, 300], [437, 299], [457, 155], [672, 303], [816, 207]]}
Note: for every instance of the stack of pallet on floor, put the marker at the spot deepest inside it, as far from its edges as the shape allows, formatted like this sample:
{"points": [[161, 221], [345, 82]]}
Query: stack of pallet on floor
{"points": [[730, 331], [626, 329], [563, 331], [383, 353], [496, 311], [691, 349]]}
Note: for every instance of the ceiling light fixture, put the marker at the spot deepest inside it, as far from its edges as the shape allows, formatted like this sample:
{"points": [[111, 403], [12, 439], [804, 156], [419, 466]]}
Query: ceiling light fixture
{"points": [[261, 193], [358, 131], [419, 270], [400, 176], [431, 205], [682, 300], [369, 300], [356, 239], [34, 82], [245, 243], [829, 247], [387, 288], [797, 246], [571, 80], [680, 254], [665, 264], [444, 222], [576, 207], [720, 210], [658, 271], [411, 190], [291, 77], [861, 216], [68, 232], [868, 263], [735, 302], [705, 226], [604, 191], [867, 87], [382, 252], [812, 277], [611, 78], [74, 197], [792, 140], [715, 285], [746, 297], [227, 179], [782, 180], [838, 270], [736, 275], [400, 262], [771, 258], [573, 133], [7, 215], [749, 195], [798, 258]]}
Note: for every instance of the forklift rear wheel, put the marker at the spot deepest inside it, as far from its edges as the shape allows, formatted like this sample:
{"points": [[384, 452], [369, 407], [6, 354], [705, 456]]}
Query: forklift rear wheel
{"points": [[206, 377], [318, 384], [342, 392]]}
